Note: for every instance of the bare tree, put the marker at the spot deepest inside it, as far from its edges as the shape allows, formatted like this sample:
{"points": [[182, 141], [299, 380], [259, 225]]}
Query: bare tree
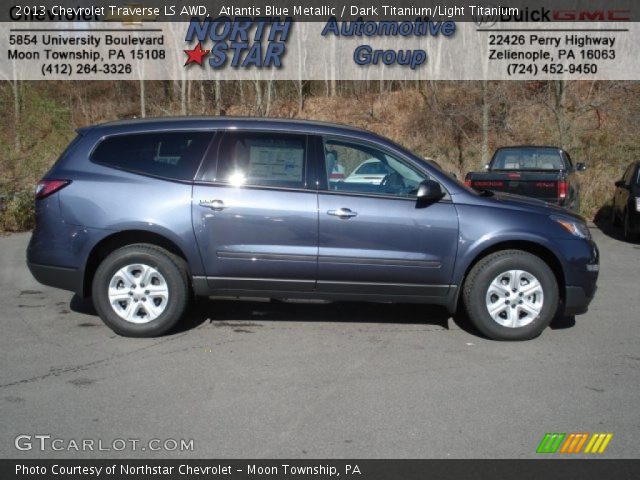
{"points": [[302, 61], [183, 95], [143, 103], [217, 94], [270, 88], [333, 91], [258, 100], [485, 122], [203, 97], [558, 108], [15, 86]]}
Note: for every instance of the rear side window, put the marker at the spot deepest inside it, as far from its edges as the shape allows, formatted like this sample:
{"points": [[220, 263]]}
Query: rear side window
{"points": [[262, 159], [173, 155]]}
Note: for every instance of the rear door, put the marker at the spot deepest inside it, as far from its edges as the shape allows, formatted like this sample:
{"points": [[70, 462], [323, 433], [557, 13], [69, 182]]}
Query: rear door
{"points": [[255, 215], [374, 238]]}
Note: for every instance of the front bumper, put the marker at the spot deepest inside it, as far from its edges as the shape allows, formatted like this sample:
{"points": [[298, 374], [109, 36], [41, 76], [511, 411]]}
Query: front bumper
{"points": [[581, 275], [576, 300]]}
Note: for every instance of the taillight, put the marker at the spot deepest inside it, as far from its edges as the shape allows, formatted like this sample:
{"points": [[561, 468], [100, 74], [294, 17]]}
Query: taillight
{"points": [[48, 187], [467, 182], [489, 183], [562, 190]]}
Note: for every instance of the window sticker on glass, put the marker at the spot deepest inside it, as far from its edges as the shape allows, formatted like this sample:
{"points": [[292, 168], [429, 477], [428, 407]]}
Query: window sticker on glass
{"points": [[275, 163]]}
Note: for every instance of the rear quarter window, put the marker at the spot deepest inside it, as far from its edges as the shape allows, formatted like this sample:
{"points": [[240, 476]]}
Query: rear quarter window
{"points": [[172, 155]]}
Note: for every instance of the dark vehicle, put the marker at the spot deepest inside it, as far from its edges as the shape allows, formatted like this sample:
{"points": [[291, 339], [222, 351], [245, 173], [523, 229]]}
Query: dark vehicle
{"points": [[626, 202], [545, 173], [142, 214]]}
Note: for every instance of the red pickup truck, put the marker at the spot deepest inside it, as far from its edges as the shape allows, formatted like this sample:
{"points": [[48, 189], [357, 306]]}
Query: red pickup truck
{"points": [[546, 173]]}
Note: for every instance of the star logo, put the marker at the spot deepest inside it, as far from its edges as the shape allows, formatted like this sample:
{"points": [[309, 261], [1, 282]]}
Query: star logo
{"points": [[195, 55]]}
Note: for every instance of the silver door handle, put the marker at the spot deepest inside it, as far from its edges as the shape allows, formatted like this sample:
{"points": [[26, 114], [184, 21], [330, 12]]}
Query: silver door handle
{"points": [[213, 204], [342, 213]]}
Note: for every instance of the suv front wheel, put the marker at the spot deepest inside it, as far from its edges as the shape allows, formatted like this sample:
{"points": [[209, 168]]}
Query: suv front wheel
{"points": [[140, 290], [511, 295]]}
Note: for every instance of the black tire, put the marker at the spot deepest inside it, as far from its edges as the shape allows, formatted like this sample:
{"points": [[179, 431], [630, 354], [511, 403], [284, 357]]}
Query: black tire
{"points": [[489, 268], [627, 231], [172, 269], [614, 218]]}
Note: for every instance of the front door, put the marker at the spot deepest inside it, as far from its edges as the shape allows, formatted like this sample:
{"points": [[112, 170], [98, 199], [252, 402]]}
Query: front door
{"points": [[374, 238]]}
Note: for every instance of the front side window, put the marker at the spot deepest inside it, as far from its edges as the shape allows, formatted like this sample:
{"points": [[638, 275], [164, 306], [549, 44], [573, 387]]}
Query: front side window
{"points": [[368, 170], [174, 155], [262, 159]]}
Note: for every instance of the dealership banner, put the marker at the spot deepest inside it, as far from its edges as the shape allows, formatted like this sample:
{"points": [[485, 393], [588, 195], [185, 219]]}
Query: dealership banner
{"points": [[319, 469], [310, 41]]}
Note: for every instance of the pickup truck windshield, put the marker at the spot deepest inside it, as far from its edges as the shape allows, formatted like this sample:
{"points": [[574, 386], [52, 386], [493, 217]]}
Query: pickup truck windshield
{"points": [[527, 159]]}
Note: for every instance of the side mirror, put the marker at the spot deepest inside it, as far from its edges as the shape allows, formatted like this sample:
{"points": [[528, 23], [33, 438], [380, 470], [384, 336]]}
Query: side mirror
{"points": [[580, 167], [429, 191], [619, 183]]}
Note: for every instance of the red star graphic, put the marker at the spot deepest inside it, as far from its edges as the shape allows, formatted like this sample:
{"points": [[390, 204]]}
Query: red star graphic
{"points": [[195, 55]]}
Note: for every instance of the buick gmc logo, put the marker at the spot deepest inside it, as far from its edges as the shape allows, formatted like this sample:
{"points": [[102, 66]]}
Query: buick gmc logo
{"points": [[592, 15], [546, 15]]}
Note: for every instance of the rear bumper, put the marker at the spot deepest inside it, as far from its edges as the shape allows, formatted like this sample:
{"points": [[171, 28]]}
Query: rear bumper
{"points": [[577, 300], [58, 277]]}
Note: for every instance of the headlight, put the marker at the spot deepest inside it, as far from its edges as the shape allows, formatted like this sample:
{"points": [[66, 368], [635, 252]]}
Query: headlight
{"points": [[574, 227], [637, 204]]}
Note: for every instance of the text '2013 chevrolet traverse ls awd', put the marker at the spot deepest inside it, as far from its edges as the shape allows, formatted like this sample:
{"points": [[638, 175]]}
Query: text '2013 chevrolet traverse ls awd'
{"points": [[142, 214]]}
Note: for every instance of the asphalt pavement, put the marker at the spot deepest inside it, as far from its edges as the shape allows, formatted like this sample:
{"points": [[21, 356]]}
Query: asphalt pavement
{"points": [[344, 380]]}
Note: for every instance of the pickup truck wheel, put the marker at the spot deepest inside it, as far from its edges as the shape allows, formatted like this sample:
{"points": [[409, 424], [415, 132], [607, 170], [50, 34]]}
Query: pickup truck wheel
{"points": [[140, 291], [511, 295]]}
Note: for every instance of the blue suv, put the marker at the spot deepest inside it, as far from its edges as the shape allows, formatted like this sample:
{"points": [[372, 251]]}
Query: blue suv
{"points": [[142, 215]]}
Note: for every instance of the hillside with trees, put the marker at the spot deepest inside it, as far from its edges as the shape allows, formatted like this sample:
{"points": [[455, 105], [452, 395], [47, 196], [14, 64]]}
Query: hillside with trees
{"points": [[458, 124]]}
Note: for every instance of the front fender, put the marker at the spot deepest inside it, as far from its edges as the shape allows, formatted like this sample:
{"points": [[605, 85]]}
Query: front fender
{"points": [[484, 229]]}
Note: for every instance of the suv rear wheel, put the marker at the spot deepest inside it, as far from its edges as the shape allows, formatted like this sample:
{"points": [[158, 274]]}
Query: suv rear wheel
{"points": [[511, 295], [140, 290]]}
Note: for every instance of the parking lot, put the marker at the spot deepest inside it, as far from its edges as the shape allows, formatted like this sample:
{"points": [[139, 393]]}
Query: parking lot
{"points": [[344, 380]]}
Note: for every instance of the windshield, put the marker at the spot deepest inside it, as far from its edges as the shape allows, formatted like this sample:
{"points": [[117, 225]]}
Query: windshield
{"points": [[527, 159]]}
